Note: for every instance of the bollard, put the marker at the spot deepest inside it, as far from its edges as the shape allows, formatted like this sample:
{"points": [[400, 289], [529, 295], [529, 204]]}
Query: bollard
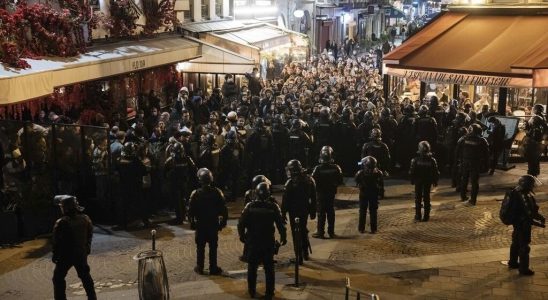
{"points": [[298, 249], [153, 233]]}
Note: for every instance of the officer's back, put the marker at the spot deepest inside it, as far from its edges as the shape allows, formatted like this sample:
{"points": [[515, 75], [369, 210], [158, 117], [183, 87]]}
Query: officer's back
{"points": [[327, 177], [206, 205], [298, 192], [263, 215], [72, 236], [472, 147]]}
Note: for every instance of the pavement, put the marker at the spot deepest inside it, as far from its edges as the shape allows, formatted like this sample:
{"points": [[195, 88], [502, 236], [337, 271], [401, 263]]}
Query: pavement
{"points": [[456, 255]]}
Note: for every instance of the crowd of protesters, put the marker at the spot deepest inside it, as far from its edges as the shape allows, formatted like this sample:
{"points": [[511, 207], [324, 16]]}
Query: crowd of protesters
{"points": [[238, 132]]}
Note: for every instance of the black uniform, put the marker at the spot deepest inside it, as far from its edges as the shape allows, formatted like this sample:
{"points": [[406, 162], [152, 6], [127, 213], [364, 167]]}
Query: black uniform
{"points": [[230, 164], [405, 139], [526, 212], [423, 173], [426, 129], [452, 135], [323, 134], [496, 137], [299, 200], [379, 150], [536, 128], [364, 131], [131, 183], [181, 176], [207, 207], [256, 229], [371, 188], [259, 152], [298, 146], [345, 138], [389, 126], [327, 177], [280, 138], [473, 153], [71, 246]]}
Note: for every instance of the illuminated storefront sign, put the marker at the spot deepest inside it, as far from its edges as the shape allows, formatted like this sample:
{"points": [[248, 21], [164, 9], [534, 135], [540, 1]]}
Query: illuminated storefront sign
{"points": [[465, 79]]}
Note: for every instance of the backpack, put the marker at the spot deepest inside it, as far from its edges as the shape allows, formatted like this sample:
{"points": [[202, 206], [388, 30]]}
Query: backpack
{"points": [[506, 213]]}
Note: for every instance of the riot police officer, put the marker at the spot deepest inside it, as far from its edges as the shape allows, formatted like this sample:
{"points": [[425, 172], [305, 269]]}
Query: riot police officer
{"points": [[131, 170], [299, 142], [423, 173], [71, 245], [388, 126], [364, 130], [379, 150], [473, 154], [322, 131], [258, 149], [328, 176], [426, 128], [208, 215], [371, 184], [453, 134], [535, 129], [280, 138], [405, 137], [345, 134], [525, 212], [299, 201], [230, 159], [497, 133], [180, 171], [256, 231]]}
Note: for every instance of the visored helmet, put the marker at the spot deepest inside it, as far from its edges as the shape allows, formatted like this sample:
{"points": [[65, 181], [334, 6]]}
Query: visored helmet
{"points": [[259, 179], [205, 176], [263, 191], [326, 155], [424, 148], [294, 168]]}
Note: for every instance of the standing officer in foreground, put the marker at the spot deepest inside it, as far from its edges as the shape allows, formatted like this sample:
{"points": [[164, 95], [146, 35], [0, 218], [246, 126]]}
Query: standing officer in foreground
{"points": [[327, 176], [256, 231], [299, 200], [72, 236], [424, 173], [371, 185], [525, 214], [208, 215], [473, 153]]}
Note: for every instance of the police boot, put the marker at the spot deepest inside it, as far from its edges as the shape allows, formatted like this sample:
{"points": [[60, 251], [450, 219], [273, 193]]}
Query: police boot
{"points": [[418, 213], [426, 215]]}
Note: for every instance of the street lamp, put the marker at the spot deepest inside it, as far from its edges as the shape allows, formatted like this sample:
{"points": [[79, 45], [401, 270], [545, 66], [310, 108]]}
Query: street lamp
{"points": [[299, 13]]}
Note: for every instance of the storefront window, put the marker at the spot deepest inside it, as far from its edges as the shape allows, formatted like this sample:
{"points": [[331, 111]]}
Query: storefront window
{"points": [[205, 10], [219, 8]]}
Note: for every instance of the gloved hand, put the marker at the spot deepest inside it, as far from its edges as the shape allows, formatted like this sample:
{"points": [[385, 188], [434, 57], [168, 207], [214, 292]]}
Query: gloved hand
{"points": [[242, 239], [283, 241], [54, 259], [312, 216]]}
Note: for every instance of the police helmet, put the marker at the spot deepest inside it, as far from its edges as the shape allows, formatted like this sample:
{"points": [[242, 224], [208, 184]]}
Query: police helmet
{"points": [[326, 155], [368, 115], [423, 110], [475, 129], [324, 111], [68, 203], [205, 176], [259, 123], [376, 134], [409, 110], [385, 113], [369, 163], [177, 150], [259, 179], [263, 191], [296, 124], [538, 109], [528, 182], [424, 148], [294, 167], [129, 150]]}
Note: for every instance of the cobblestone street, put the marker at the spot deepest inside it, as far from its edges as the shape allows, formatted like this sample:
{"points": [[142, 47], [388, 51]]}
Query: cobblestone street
{"points": [[455, 255]]}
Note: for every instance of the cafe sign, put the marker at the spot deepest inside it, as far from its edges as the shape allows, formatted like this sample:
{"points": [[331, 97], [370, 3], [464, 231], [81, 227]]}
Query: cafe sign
{"points": [[464, 79]]}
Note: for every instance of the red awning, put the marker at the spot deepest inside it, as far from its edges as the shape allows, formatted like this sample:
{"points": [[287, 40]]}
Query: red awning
{"points": [[481, 49]]}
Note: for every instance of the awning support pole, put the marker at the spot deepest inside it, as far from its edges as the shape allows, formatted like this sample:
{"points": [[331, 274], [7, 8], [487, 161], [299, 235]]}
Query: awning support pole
{"points": [[422, 93], [386, 86], [503, 94]]}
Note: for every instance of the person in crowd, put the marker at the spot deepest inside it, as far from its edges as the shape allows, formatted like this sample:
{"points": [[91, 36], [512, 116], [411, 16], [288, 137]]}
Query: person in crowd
{"points": [[371, 184], [328, 176], [299, 201], [208, 215], [256, 231], [424, 174], [71, 246], [525, 214]]}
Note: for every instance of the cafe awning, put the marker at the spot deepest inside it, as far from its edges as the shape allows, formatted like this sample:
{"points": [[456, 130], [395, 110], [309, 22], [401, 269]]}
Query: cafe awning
{"points": [[99, 62], [218, 60], [477, 48]]}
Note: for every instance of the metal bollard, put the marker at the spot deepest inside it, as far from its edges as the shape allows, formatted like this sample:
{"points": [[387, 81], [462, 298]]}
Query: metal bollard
{"points": [[152, 274], [298, 249]]}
